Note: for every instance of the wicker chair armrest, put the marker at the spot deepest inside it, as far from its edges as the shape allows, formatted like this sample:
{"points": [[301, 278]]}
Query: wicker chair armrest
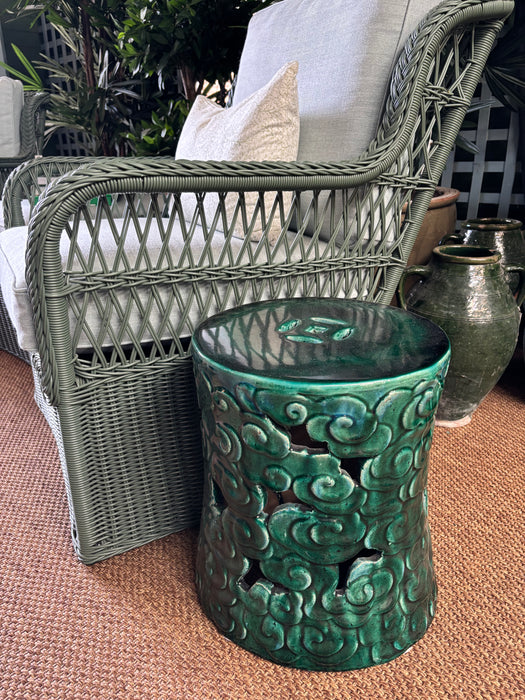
{"points": [[29, 180], [98, 176], [33, 123], [70, 198]]}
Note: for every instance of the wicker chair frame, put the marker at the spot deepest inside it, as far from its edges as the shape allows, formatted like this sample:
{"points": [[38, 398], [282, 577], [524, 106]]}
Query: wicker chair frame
{"points": [[32, 125], [124, 414]]}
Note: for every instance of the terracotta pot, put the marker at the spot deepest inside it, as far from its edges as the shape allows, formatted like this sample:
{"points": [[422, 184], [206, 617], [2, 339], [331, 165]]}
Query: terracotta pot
{"points": [[439, 221], [465, 292]]}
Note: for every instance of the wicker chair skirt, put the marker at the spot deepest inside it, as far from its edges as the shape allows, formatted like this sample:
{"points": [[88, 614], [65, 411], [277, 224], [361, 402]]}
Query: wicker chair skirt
{"points": [[138, 476]]}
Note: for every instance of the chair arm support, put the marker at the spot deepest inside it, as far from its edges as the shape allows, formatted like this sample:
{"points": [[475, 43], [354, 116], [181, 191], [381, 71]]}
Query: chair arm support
{"points": [[29, 180]]}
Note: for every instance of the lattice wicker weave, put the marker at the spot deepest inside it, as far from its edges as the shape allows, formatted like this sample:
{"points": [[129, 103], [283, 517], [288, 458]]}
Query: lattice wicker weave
{"points": [[124, 412]]}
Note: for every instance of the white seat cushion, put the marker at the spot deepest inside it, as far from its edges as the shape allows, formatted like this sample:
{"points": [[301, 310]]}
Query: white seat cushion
{"points": [[11, 104], [200, 254], [346, 50], [263, 126]]}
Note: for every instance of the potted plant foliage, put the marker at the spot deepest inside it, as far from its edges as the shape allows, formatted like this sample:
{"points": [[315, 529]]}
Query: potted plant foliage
{"points": [[140, 65], [92, 93]]}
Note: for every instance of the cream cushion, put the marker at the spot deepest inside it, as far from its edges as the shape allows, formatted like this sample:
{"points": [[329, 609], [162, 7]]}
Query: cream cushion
{"points": [[11, 104], [263, 126], [346, 51]]}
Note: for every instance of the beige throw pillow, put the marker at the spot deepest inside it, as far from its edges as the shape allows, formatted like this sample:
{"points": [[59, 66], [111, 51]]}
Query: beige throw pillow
{"points": [[264, 126]]}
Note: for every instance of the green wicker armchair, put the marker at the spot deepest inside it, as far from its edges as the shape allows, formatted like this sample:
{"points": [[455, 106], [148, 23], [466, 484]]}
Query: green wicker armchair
{"points": [[32, 124], [115, 298]]}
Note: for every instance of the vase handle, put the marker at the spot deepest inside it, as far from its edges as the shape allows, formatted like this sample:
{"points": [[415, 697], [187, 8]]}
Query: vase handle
{"points": [[520, 293], [421, 270], [452, 238]]}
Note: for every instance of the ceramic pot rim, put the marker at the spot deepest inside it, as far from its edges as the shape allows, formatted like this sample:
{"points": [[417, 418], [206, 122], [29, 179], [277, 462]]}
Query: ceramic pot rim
{"points": [[492, 224], [470, 254], [444, 197]]}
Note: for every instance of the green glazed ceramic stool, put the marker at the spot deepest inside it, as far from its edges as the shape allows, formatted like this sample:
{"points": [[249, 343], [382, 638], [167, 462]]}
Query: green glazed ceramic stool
{"points": [[317, 419]]}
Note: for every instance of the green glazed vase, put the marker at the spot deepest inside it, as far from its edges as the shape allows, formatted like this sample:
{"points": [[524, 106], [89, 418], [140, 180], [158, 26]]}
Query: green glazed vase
{"points": [[502, 235], [464, 290]]}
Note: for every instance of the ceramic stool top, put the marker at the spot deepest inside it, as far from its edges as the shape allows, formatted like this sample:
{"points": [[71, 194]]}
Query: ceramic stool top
{"points": [[317, 418], [320, 340]]}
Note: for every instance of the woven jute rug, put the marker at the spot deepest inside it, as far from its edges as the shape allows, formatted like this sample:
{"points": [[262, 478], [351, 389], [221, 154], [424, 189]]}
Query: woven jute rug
{"points": [[130, 628]]}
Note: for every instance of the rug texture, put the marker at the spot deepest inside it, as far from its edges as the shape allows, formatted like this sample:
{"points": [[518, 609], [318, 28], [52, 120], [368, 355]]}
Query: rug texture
{"points": [[130, 628]]}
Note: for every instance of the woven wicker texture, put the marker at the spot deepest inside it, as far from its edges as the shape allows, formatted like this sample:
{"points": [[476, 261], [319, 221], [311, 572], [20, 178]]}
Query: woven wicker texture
{"points": [[130, 628], [116, 411]]}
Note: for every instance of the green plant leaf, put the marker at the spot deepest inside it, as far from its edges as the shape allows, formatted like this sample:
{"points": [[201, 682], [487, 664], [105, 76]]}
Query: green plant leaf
{"points": [[37, 80], [31, 79]]}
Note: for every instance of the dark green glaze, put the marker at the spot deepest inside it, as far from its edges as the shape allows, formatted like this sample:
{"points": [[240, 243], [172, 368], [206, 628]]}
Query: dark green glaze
{"points": [[314, 548], [504, 236], [465, 292]]}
